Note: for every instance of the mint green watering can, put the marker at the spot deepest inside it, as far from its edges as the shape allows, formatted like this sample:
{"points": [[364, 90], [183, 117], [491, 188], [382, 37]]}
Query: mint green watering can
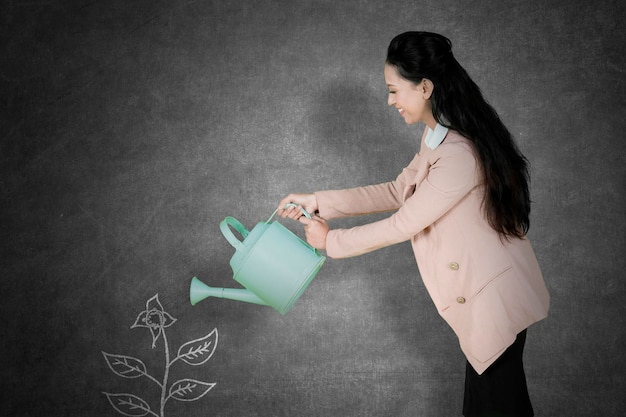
{"points": [[274, 265]]}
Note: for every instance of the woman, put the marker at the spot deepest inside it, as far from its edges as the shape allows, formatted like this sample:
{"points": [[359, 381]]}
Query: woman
{"points": [[463, 203]]}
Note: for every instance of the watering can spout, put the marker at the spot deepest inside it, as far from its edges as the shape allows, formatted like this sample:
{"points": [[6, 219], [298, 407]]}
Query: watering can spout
{"points": [[198, 291]]}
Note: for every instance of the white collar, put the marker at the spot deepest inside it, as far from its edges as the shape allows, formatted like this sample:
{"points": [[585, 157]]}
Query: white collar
{"points": [[435, 137]]}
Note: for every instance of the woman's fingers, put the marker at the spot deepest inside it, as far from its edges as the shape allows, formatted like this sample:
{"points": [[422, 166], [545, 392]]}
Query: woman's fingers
{"points": [[287, 209], [315, 230]]}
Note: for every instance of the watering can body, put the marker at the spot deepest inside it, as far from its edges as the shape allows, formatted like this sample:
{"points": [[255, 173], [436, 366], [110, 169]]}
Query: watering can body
{"points": [[273, 265]]}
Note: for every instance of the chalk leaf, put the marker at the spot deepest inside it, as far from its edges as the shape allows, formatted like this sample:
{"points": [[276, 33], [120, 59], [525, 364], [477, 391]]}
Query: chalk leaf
{"points": [[125, 366], [128, 404], [189, 389], [200, 350]]}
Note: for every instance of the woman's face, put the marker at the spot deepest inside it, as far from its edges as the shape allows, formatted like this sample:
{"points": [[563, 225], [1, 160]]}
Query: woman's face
{"points": [[412, 100]]}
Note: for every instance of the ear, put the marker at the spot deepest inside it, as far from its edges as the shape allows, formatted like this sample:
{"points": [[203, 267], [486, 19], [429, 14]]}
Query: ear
{"points": [[427, 88]]}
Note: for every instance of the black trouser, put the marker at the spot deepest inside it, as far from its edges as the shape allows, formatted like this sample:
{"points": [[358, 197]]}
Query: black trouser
{"points": [[501, 390]]}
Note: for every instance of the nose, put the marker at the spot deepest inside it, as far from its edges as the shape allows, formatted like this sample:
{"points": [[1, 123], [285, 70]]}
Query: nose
{"points": [[390, 100]]}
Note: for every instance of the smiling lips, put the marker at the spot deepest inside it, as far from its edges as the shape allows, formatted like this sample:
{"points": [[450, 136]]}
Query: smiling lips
{"points": [[401, 111]]}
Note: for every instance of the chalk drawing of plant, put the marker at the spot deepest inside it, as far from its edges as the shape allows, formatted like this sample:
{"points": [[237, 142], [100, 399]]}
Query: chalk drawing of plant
{"points": [[195, 352]]}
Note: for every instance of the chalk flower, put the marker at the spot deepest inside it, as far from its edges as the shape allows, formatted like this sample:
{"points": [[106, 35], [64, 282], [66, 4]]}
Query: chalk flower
{"points": [[154, 318]]}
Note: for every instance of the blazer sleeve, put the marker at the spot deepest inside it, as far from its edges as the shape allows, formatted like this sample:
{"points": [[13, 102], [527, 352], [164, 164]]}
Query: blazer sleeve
{"points": [[366, 200], [452, 174]]}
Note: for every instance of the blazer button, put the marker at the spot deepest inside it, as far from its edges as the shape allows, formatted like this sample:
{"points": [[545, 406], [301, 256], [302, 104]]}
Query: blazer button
{"points": [[460, 300], [453, 266]]}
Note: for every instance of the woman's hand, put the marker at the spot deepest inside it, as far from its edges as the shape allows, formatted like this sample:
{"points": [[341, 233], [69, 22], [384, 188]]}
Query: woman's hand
{"points": [[302, 201], [315, 229]]}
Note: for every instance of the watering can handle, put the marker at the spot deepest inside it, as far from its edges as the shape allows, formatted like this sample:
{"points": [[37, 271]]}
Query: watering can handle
{"points": [[228, 234], [304, 212], [236, 224]]}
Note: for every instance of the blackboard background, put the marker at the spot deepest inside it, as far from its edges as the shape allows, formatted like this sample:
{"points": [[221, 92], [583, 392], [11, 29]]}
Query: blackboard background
{"points": [[130, 129]]}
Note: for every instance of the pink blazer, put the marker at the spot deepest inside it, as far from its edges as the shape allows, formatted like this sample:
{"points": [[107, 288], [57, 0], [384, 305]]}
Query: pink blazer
{"points": [[487, 289]]}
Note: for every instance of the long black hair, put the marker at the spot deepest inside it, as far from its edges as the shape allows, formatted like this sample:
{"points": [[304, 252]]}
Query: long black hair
{"points": [[458, 103]]}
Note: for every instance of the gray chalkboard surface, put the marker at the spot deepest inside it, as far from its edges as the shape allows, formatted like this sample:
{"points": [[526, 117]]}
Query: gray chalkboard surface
{"points": [[130, 129]]}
